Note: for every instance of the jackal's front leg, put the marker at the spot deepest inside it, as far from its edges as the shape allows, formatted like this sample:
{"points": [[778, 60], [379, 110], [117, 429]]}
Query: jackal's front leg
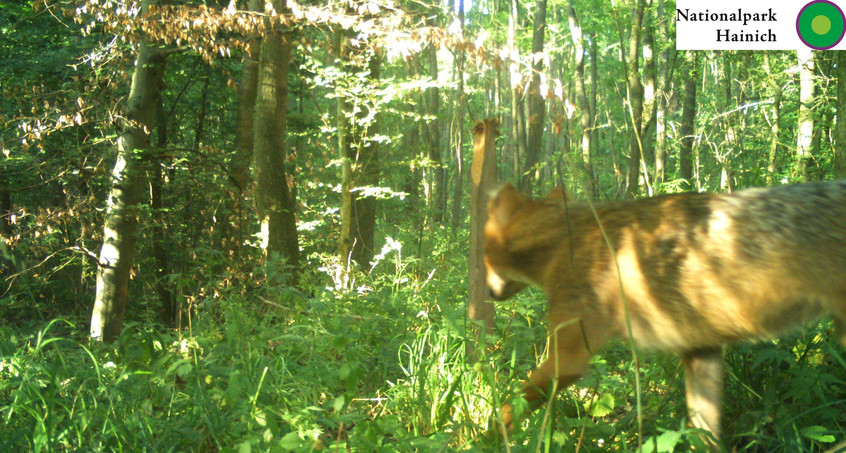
{"points": [[566, 361]]}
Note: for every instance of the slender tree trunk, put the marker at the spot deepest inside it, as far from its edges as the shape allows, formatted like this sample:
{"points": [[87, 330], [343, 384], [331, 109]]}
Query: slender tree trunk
{"points": [[168, 315], [483, 180], [805, 123], [840, 124], [688, 120], [274, 195], [201, 115], [537, 107], [663, 95], [437, 187], [594, 86], [358, 154], [518, 121], [458, 193], [5, 205], [729, 143], [647, 147], [635, 98], [586, 120], [118, 250], [366, 175], [240, 169]]}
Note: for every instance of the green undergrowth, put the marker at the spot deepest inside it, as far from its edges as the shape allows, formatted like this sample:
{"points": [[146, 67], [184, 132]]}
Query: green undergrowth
{"points": [[383, 367]]}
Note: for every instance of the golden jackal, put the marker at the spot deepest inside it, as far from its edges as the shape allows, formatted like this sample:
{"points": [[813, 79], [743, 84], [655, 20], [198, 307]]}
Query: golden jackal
{"points": [[697, 271]]}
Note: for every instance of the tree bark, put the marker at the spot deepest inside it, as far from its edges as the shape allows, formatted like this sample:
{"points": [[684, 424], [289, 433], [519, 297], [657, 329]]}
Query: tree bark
{"points": [[586, 119], [437, 183], [458, 193], [840, 124], [635, 97], [688, 120], [168, 315], [5, 205], [245, 111], [358, 154], [118, 250], [537, 107], [805, 123], [662, 95], [274, 192], [366, 175], [518, 117], [483, 180]]}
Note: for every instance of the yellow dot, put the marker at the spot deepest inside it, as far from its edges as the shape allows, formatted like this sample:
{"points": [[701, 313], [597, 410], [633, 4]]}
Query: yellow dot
{"points": [[821, 25]]}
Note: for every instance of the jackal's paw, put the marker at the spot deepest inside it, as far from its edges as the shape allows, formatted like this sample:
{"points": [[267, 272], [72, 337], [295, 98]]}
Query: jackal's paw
{"points": [[501, 424]]}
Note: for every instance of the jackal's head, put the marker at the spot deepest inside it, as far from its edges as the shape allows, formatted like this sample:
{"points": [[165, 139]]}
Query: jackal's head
{"points": [[503, 279], [516, 230]]}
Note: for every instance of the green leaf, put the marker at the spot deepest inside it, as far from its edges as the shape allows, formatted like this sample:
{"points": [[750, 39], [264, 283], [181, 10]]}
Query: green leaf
{"points": [[339, 403], [817, 433], [291, 441], [602, 406], [344, 372], [665, 443], [260, 417]]}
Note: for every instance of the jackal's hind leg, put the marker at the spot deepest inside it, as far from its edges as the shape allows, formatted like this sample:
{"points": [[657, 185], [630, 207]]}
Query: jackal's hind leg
{"points": [[704, 388]]}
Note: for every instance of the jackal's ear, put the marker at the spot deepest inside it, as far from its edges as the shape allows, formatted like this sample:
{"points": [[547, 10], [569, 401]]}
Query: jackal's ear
{"points": [[504, 202]]}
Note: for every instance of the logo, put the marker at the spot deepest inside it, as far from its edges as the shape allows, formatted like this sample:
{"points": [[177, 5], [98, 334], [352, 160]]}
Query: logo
{"points": [[820, 24]]}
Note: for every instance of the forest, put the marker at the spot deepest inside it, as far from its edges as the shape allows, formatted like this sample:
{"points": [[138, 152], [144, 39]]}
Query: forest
{"points": [[245, 225]]}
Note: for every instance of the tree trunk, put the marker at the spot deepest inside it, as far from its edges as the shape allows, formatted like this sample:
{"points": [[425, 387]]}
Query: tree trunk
{"points": [[5, 205], [594, 87], [458, 193], [662, 95], [648, 115], [731, 139], [537, 107], [805, 123], [840, 125], [168, 315], [437, 186], [483, 180], [358, 154], [366, 174], [118, 250], [245, 110], [635, 98], [688, 120], [518, 117], [274, 192], [586, 120]]}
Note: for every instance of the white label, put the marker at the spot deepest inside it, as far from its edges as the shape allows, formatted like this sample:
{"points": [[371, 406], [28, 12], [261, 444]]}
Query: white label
{"points": [[759, 25]]}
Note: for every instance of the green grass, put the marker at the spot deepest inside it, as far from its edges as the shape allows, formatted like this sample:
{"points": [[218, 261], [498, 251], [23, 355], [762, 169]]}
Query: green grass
{"points": [[383, 368]]}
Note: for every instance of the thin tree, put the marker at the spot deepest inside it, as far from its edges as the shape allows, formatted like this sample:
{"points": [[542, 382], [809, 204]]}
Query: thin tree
{"points": [[586, 120], [244, 116], [776, 93], [687, 127], [483, 180], [663, 77], [634, 94], [458, 192], [118, 250], [840, 124], [518, 116], [805, 120], [537, 107]]}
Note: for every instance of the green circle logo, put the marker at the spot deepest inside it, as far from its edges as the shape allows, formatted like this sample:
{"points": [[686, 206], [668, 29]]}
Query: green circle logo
{"points": [[821, 24]]}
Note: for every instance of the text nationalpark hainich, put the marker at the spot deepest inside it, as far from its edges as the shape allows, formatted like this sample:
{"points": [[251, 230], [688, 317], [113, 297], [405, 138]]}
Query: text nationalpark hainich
{"points": [[743, 18]]}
